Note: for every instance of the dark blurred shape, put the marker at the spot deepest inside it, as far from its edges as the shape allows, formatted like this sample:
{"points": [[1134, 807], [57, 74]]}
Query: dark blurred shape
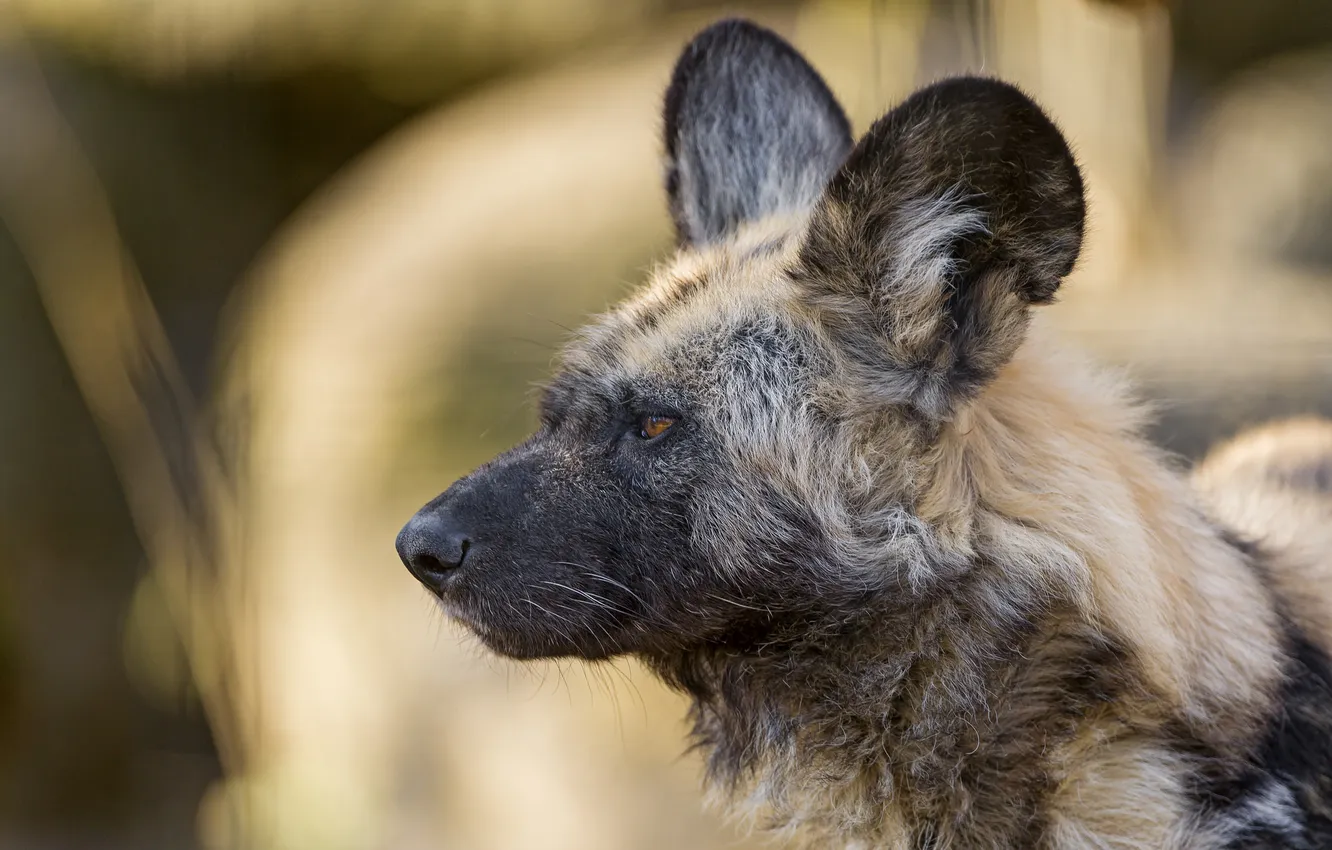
{"points": [[1216, 38]]}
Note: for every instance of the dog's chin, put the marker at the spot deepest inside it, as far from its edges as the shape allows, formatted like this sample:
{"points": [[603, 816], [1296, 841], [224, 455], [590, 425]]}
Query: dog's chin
{"points": [[523, 644], [525, 647]]}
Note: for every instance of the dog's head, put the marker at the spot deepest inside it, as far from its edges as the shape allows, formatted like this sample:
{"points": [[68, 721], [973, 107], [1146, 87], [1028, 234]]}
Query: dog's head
{"points": [[734, 455]]}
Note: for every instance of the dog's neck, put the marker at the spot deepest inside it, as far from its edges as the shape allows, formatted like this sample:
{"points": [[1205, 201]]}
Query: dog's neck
{"points": [[907, 723]]}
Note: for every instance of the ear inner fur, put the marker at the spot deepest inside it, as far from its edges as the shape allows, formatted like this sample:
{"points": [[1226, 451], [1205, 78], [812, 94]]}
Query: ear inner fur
{"points": [[957, 210], [751, 130]]}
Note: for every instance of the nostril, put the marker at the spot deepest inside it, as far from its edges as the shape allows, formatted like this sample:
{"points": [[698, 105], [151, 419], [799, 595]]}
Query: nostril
{"points": [[447, 553], [427, 567], [432, 548]]}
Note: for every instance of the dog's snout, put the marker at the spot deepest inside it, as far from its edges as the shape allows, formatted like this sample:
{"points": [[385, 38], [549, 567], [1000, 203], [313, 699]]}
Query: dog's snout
{"points": [[433, 547]]}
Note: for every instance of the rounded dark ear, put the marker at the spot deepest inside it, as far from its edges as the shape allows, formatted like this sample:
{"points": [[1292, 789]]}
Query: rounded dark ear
{"points": [[751, 130], [958, 210]]}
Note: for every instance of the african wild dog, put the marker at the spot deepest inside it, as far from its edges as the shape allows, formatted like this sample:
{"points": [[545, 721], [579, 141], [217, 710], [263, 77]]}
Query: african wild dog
{"points": [[923, 581]]}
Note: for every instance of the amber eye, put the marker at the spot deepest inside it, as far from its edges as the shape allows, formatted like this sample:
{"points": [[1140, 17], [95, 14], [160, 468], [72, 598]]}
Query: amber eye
{"points": [[651, 427]]}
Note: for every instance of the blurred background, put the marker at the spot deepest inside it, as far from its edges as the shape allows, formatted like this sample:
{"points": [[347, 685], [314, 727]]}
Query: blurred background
{"points": [[274, 272]]}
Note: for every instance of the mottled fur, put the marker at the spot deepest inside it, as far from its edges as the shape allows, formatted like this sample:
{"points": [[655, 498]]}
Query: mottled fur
{"points": [[924, 582]]}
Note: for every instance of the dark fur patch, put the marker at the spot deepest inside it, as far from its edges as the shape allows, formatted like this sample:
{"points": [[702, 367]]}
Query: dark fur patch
{"points": [[1315, 476], [677, 296], [1293, 760]]}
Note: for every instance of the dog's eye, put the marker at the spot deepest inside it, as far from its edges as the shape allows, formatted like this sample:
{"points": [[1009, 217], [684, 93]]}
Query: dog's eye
{"points": [[652, 427]]}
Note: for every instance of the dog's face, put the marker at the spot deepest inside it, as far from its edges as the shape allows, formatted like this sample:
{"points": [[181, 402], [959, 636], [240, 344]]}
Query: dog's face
{"points": [[732, 457]]}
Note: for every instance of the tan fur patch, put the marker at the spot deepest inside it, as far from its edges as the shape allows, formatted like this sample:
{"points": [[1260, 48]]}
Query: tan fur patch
{"points": [[1121, 796], [1252, 485], [1053, 446]]}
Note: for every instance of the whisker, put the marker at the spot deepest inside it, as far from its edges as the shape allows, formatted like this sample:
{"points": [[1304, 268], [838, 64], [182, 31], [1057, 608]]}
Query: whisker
{"points": [[740, 604]]}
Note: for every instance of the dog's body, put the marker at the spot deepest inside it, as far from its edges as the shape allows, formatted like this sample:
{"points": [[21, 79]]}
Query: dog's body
{"points": [[926, 585]]}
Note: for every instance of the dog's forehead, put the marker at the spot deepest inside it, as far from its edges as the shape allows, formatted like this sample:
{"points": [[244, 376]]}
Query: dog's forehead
{"points": [[692, 307]]}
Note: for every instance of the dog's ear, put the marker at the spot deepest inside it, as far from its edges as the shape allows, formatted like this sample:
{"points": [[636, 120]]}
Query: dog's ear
{"points": [[956, 212], [751, 130]]}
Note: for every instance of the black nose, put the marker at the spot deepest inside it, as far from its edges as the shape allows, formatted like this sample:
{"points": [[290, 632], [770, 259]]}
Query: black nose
{"points": [[433, 548]]}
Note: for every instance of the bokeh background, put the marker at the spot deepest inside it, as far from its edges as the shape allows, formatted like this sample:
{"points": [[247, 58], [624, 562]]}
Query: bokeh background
{"points": [[274, 272]]}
